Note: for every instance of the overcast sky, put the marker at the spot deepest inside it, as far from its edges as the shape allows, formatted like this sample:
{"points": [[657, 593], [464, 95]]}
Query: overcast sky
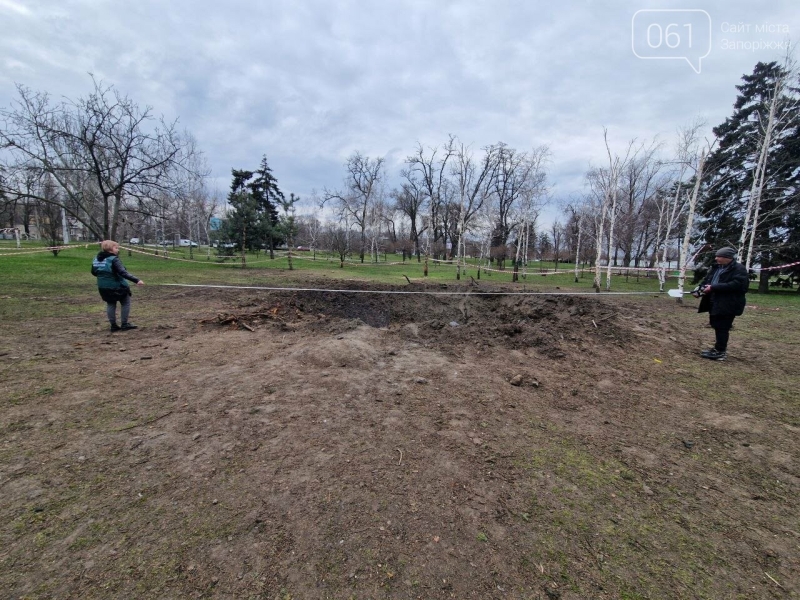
{"points": [[308, 83]]}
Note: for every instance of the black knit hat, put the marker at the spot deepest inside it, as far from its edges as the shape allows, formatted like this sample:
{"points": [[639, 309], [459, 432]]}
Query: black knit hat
{"points": [[726, 252]]}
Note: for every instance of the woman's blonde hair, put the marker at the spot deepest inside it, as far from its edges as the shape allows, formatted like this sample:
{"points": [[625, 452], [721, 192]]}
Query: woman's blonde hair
{"points": [[108, 245]]}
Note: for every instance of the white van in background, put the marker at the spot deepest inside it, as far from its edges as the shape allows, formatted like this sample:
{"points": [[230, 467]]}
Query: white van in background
{"points": [[187, 243]]}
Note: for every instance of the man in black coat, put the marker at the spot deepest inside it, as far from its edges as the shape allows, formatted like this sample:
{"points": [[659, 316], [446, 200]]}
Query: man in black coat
{"points": [[722, 296]]}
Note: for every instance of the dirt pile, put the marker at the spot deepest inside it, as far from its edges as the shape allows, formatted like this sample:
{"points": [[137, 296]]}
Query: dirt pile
{"points": [[554, 325]]}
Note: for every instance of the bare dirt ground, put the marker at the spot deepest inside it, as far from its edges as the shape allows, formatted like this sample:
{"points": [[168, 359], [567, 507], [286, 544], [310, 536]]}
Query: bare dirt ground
{"points": [[282, 445]]}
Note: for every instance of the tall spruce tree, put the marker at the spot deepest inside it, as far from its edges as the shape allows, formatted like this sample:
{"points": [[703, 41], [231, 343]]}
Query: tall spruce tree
{"points": [[268, 196], [255, 197], [243, 225], [735, 163]]}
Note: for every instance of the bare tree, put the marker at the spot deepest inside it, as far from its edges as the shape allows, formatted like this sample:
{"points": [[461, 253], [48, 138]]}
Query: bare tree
{"points": [[683, 260], [605, 181], [557, 232], [531, 200], [410, 200], [430, 171], [49, 217], [473, 184], [338, 235], [311, 227], [360, 191], [639, 181], [482, 227], [378, 217], [672, 205], [106, 153], [509, 183], [575, 229]]}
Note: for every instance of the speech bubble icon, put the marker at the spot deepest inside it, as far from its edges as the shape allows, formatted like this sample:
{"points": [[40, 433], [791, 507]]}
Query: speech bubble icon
{"points": [[671, 33]]}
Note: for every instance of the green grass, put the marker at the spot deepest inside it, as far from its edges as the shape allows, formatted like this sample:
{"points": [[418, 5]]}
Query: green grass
{"points": [[31, 282], [572, 502], [62, 270]]}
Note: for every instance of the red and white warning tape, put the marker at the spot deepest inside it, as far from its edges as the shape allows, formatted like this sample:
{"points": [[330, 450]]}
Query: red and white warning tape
{"points": [[794, 264]]}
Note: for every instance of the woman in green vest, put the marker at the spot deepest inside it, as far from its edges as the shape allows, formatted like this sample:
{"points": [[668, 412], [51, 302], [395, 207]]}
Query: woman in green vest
{"points": [[112, 285]]}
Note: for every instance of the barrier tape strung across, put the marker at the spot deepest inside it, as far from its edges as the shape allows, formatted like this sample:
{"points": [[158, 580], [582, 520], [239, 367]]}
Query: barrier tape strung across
{"points": [[18, 251], [412, 262], [406, 292], [167, 257], [235, 258], [527, 271], [794, 264], [357, 263], [444, 262], [618, 269]]}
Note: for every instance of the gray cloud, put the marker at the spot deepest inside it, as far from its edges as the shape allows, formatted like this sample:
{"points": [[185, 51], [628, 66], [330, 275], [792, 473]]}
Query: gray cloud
{"points": [[307, 83]]}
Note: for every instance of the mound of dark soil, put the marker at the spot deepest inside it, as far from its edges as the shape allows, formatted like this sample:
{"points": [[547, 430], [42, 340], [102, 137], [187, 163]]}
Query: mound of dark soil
{"points": [[552, 324]]}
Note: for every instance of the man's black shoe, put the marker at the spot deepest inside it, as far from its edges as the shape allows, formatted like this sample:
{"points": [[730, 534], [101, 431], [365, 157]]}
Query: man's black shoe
{"points": [[115, 327], [714, 355], [126, 326]]}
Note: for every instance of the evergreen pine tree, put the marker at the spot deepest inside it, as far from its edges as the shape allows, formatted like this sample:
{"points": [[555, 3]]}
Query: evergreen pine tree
{"points": [[268, 196], [254, 197], [732, 168]]}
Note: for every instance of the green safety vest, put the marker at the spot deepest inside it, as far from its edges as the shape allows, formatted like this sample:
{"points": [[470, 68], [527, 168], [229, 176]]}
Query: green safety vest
{"points": [[106, 278]]}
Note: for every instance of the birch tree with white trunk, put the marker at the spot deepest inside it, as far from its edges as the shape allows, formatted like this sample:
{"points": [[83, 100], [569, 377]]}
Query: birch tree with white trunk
{"points": [[605, 182], [576, 224], [781, 114], [683, 258], [672, 206]]}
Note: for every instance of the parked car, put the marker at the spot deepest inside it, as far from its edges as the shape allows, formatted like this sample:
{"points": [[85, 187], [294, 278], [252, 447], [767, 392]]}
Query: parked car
{"points": [[187, 243], [135, 241]]}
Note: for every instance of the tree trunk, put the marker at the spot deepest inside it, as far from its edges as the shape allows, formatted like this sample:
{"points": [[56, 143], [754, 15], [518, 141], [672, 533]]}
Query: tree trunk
{"points": [[683, 260], [763, 282]]}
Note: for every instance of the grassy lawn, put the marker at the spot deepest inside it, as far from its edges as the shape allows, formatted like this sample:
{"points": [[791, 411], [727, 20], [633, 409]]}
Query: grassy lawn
{"points": [[25, 264]]}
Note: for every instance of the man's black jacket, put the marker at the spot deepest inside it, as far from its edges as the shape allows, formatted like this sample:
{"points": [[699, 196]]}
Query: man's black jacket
{"points": [[727, 296]]}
